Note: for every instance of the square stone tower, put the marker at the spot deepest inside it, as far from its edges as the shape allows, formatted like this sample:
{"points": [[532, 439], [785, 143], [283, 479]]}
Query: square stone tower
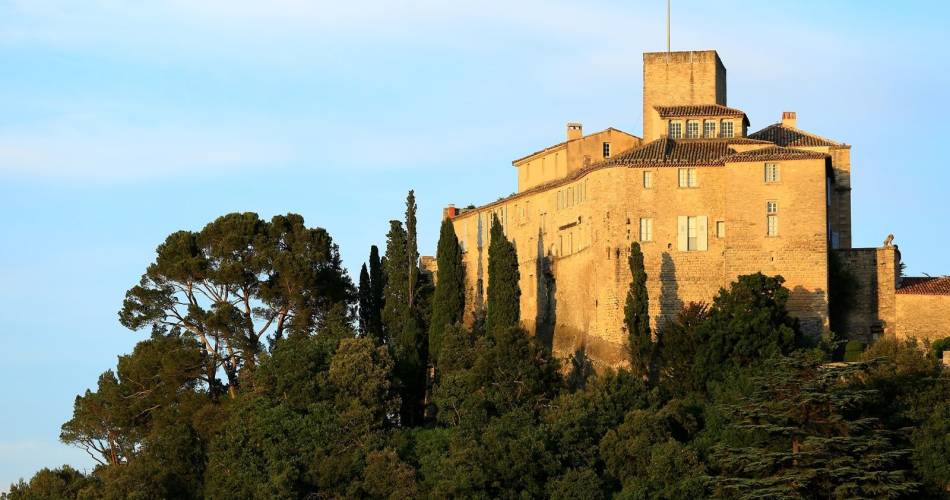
{"points": [[679, 79]]}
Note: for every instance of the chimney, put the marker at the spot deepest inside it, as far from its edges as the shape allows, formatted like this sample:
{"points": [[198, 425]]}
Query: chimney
{"points": [[789, 119], [449, 212], [574, 131]]}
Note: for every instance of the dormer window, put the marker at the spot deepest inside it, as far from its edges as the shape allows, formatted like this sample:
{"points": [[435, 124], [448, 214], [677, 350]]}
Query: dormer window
{"points": [[692, 129], [725, 128], [676, 130], [709, 129]]}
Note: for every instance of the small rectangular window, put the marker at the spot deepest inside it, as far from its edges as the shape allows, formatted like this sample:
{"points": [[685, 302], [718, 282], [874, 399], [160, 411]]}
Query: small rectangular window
{"points": [[676, 130], [720, 229], [771, 209], [606, 150], [646, 229], [647, 180], [687, 177], [771, 173], [725, 128], [692, 129], [709, 128]]}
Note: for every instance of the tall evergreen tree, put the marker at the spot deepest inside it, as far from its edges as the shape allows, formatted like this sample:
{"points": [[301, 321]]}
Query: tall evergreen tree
{"points": [[448, 302], [412, 247], [636, 316], [365, 302], [377, 283], [402, 325], [504, 291]]}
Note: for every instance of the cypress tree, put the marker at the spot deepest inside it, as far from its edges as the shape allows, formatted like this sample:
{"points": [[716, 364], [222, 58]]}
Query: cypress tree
{"points": [[403, 328], [365, 302], [377, 281], [448, 301], [412, 247], [504, 292], [636, 316]]}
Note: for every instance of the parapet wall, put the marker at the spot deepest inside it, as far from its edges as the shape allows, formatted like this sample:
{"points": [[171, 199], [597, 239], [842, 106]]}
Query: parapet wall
{"points": [[876, 271]]}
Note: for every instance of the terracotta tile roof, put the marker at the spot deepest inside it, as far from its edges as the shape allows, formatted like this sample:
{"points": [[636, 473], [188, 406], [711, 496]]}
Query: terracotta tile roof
{"points": [[792, 137], [696, 110], [671, 152], [776, 153], [746, 140], [925, 286]]}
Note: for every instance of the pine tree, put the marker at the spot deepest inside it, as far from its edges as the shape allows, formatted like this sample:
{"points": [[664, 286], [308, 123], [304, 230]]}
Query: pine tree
{"points": [[448, 303], [504, 292], [636, 316], [803, 431], [365, 302]]}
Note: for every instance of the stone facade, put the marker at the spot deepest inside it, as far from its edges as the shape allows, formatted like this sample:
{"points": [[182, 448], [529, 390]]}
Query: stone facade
{"points": [[706, 205], [924, 317]]}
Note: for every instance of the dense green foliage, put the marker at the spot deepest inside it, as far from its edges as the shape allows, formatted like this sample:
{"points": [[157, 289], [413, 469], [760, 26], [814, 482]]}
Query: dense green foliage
{"points": [[448, 300], [504, 292], [737, 406]]}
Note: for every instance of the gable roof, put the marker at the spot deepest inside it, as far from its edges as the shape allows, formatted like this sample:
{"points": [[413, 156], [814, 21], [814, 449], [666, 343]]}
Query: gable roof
{"points": [[793, 137], [925, 286], [564, 143]]}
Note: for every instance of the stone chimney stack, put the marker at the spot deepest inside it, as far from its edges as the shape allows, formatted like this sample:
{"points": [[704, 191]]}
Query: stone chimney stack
{"points": [[789, 119], [574, 131]]}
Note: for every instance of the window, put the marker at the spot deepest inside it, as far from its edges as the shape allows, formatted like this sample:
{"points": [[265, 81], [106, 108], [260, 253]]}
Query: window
{"points": [[676, 130], [687, 177], [771, 173], [646, 229], [725, 128], [606, 150], [692, 129], [648, 180], [709, 128], [691, 233], [720, 229], [771, 208]]}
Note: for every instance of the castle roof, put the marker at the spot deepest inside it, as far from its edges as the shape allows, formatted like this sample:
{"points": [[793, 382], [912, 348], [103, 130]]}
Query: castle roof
{"points": [[925, 286], [705, 152], [671, 152], [699, 111], [776, 153], [786, 136]]}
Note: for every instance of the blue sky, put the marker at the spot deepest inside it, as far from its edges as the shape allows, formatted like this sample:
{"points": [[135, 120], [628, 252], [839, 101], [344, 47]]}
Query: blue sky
{"points": [[121, 122]]}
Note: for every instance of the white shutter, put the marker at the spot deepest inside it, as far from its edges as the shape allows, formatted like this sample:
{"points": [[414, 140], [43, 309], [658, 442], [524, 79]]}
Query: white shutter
{"points": [[702, 232], [681, 230]]}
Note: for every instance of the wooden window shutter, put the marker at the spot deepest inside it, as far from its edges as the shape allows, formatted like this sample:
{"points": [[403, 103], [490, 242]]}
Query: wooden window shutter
{"points": [[702, 233], [681, 230]]}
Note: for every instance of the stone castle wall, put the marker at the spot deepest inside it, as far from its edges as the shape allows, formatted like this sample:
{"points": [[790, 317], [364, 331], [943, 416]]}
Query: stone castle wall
{"points": [[573, 254], [925, 317], [876, 272], [678, 78]]}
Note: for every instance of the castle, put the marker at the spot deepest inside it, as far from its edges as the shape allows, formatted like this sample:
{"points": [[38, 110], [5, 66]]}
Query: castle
{"points": [[708, 201]]}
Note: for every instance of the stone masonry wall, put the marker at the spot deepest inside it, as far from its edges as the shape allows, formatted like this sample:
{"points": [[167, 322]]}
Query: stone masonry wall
{"points": [[678, 78], [923, 316], [573, 256]]}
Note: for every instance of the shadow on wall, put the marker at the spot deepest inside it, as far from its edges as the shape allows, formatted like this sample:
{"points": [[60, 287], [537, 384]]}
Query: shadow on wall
{"points": [[802, 300], [670, 302], [547, 303], [580, 368]]}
